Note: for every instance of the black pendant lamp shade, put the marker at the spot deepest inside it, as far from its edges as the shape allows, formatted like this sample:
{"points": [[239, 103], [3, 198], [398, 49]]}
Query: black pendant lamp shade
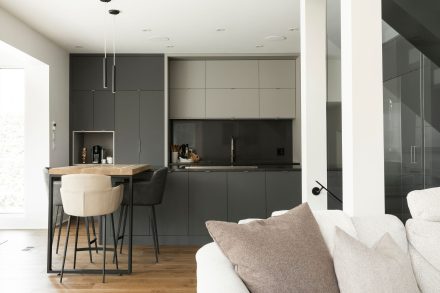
{"points": [[114, 12], [104, 59]]}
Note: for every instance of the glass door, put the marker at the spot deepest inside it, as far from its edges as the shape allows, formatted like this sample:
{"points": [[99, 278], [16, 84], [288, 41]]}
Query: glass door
{"points": [[431, 87]]}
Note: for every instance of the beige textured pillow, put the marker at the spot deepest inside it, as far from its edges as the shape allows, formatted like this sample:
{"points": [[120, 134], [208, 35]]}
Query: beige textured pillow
{"points": [[382, 268], [281, 254]]}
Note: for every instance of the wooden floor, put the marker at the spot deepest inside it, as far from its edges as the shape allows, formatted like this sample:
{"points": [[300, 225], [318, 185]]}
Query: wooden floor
{"points": [[23, 267]]}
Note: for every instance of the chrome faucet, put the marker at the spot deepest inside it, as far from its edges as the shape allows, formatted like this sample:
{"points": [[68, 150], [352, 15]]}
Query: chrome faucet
{"points": [[232, 150]]}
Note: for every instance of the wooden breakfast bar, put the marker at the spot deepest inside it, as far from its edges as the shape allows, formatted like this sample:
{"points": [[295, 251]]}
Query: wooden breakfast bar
{"points": [[126, 173]]}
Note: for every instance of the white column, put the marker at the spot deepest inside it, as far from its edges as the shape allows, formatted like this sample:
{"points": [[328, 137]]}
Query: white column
{"points": [[313, 101], [362, 108]]}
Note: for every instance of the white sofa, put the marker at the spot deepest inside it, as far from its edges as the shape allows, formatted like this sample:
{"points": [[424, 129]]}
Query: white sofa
{"points": [[215, 274]]}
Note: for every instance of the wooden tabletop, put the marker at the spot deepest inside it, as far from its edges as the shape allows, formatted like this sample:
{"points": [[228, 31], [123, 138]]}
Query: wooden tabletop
{"points": [[110, 170]]}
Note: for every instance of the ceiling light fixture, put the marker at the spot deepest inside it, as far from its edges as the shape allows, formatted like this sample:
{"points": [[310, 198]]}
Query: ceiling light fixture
{"points": [[292, 29], [78, 47], [104, 59], [146, 30], [220, 29], [259, 46], [170, 46], [114, 12], [275, 38]]}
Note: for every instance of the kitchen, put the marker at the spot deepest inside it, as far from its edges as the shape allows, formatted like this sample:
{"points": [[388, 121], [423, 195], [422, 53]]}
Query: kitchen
{"points": [[236, 114]]}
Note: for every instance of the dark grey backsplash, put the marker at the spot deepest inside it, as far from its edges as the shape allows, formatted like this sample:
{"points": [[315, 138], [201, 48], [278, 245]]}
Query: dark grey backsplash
{"points": [[257, 141]]}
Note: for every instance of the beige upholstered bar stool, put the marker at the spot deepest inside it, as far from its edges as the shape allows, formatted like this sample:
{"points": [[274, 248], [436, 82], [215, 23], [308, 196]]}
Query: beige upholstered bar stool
{"points": [[90, 195]]}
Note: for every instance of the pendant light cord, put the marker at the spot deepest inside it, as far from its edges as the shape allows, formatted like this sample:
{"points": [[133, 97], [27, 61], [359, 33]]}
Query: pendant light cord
{"points": [[114, 37], [105, 31]]}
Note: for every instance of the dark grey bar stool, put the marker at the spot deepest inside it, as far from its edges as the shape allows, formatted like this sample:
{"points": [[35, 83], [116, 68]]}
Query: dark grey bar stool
{"points": [[149, 194]]}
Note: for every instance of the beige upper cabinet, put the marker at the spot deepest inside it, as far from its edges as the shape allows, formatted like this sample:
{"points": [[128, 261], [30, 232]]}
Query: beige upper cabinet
{"points": [[277, 74], [229, 74], [187, 74], [277, 103], [232, 103], [187, 103]]}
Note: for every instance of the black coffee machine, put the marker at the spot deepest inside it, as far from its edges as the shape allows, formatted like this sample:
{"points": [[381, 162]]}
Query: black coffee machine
{"points": [[96, 154]]}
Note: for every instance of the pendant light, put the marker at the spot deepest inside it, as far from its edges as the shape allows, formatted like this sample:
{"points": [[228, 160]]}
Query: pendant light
{"points": [[114, 12], [104, 59]]}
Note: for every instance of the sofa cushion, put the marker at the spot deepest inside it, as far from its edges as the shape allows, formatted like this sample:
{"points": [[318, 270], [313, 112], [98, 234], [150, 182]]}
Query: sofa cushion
{"points": [[327, 221], [370, 229], [427, 276], [281, 254], [382, 268], [425, 204], [215, 273], [425, 238]]}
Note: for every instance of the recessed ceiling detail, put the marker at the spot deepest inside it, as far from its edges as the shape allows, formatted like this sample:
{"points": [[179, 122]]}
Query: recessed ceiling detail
{"points": [[275, 38], [191, 25]]}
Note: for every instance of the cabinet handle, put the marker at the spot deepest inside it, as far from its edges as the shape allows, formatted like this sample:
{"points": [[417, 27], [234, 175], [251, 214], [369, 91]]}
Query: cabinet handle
{"points": [[139, 146], [411, 154], [414, 156]]}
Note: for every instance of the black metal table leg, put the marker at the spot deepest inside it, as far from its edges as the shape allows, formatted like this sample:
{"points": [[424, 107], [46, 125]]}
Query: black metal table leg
{"points": [[130, 224], [49, 225]]}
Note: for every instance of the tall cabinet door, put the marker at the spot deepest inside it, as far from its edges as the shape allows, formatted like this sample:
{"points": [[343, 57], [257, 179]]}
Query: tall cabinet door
{"points": [[152, 127], [392, 106], [81, 110], [103, 110], [127, 144], [412, 136], [431, 98]]}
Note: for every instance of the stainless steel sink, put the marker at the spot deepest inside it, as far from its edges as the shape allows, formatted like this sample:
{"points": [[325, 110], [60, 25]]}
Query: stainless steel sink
{"points": [[220, 167]]}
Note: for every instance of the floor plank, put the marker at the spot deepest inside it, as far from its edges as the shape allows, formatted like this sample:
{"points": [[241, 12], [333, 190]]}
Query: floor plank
{"points": [[23, 267]]}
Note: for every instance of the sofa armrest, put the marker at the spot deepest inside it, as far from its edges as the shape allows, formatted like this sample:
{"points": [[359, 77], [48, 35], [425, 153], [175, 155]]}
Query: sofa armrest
{"points": [[215, 273]]}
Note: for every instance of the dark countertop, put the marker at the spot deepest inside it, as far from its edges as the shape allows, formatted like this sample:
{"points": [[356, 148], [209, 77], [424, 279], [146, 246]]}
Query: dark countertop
{"points": [[212, 166]]}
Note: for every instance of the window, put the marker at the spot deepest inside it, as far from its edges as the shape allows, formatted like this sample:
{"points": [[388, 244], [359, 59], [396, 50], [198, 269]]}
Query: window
{"points": [[12, 115]]}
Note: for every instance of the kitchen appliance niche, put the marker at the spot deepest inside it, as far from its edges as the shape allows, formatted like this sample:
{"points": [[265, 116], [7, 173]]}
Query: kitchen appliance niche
{"points": [[88, 139]]}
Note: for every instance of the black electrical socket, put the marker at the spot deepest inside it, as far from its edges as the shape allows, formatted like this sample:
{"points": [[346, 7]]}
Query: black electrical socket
{"points": [[280, 152]]}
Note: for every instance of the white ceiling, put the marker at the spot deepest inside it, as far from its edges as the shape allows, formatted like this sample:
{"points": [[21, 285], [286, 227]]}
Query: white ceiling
{"points": [[191, 25]]}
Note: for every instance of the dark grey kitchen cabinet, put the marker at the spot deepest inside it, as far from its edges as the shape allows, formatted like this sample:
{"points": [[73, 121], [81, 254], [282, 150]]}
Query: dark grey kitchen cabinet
{"points": [[152, 127], [103, 110], [172, 214], [140, 72], [86, 73], [283, 190], [127, 143], [207, 200], [81, 112], [246, 195]]}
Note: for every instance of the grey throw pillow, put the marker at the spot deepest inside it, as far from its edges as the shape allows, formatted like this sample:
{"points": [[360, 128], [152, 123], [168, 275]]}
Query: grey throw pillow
{"points": [[286, 253], [384, 268]]}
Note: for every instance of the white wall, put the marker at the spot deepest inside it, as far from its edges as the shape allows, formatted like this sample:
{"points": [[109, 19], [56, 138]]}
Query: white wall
{"points": [[19, 35], [47, 99]]}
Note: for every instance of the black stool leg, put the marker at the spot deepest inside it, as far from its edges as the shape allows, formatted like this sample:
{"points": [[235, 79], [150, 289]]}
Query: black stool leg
{"points": [[104, 248], [88, 239], [155, 228], [121, 214], [65, 250], [154, 237], [55, 224], [123, 228], [94, 233], [60, 224], [115, 243], [76, 243]]}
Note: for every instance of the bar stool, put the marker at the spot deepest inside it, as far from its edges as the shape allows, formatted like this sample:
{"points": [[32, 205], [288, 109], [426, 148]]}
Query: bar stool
{"points": [[87, 195], [59, 211], [149, 194]]}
